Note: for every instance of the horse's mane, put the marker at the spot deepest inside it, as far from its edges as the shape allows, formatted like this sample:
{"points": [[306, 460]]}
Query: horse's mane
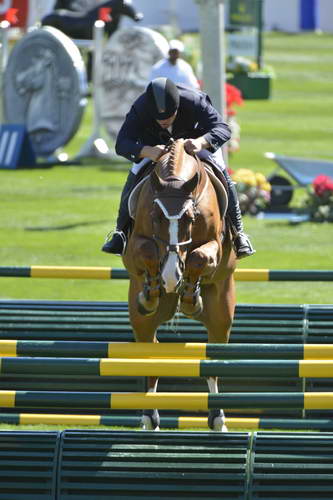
{"points": [[171, 165]]}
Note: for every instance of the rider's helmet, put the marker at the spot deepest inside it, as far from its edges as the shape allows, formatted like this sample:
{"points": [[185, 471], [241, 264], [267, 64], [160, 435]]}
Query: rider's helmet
{"points": [[162, 98]]}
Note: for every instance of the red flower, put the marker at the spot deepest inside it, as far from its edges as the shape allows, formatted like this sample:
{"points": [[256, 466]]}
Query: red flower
{"points": [[322, 184], [233, 96]]}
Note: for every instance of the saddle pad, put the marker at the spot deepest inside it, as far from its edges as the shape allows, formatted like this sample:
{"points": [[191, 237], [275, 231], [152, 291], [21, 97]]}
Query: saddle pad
{"points": [[133, 197], [221, 193]]}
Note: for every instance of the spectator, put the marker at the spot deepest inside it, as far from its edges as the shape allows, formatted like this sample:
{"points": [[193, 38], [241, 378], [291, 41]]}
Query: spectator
{"points": [[174, 67]]}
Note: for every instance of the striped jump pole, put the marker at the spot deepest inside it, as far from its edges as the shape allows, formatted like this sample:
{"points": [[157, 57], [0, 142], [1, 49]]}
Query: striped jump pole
{"points": [[167, 367], [167, 400], [82, 349], [107, 273], [166, 422]]}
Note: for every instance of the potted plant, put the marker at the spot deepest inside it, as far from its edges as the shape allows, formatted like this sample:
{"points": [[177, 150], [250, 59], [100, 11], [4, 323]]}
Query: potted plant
{"points": [[253, 190], [319, 202], [245, 75]]}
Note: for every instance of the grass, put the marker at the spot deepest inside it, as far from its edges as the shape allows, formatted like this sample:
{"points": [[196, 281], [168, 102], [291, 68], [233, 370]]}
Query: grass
{"points": [[297, 121], [60, 215]]}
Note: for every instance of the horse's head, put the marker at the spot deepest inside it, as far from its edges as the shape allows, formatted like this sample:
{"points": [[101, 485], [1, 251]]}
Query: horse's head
{"points": [[173, 215]]}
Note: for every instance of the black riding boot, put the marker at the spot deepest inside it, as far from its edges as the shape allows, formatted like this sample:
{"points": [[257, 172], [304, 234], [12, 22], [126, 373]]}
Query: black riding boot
{"points": [[117, 244], [243, 247]]}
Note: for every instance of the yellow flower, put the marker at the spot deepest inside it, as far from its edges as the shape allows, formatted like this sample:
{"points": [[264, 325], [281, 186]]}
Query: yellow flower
{"points": [[261, 179], [266, 186], [245, 175]]}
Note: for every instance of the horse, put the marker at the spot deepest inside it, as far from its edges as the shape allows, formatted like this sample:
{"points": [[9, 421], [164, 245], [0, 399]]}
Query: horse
{"points": [[180, 256]]}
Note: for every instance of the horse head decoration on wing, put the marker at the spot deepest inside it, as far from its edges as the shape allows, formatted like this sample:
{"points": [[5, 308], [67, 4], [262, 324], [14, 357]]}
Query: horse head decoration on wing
{"points": [[180, 254]]}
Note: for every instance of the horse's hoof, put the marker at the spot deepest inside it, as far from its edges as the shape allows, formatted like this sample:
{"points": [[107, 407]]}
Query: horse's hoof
{"points": [[219, 426], [150, 420], [142, 309], [188, 310], [216, 421]]}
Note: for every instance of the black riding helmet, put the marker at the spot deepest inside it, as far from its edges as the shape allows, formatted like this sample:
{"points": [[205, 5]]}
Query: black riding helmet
{"points": [[162, 98]]}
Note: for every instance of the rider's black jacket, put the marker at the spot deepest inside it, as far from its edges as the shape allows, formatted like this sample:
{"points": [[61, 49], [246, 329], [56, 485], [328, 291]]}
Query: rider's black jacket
{"points": [[196, 117]]}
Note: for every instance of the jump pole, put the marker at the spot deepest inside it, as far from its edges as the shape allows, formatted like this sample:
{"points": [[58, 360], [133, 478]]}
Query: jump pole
{"points": [[166, 367], [167, 401], [166, 422], [170, 350], [107, 273]]}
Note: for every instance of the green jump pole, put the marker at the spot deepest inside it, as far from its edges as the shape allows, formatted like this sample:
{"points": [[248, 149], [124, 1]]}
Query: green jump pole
{"points": [[107, 273], [166, 401], [196, 350], [166, 367]]}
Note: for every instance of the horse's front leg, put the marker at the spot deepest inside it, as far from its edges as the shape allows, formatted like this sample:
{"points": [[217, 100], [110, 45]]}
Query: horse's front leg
{"points": [[200, 262], [149, 297], [216, 417]]}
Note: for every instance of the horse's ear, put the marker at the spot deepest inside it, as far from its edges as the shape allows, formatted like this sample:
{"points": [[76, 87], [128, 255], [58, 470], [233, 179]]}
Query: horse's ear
{"points": [[157, 183], [189, 185]]}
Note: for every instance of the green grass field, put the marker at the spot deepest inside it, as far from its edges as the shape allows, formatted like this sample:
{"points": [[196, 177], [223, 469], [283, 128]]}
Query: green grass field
{"points": [[60, 215]]}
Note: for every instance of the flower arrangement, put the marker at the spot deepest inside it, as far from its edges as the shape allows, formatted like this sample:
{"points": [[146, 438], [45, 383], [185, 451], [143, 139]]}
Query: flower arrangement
{"points": [[240, 64], [233, 97], [254, 190], [319, 203]]}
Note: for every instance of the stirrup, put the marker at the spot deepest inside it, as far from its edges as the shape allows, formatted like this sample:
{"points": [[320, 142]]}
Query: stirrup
{"points": [[108, 246], [244, 247]]}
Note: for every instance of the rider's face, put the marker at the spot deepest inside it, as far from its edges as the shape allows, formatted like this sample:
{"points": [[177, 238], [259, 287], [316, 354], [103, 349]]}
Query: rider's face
{"points": [[168, 121]]}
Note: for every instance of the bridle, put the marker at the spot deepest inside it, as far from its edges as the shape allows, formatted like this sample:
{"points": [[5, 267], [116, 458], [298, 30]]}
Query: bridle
{"points": [[173, 203], [173, 244]]}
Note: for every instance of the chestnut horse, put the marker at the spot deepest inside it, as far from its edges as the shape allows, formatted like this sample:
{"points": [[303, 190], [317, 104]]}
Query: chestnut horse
{"points": [[180, 255]]}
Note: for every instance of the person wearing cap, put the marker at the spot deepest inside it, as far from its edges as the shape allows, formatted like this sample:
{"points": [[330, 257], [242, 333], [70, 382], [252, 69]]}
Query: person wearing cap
{"points": [[168, 111], [174, 67]]}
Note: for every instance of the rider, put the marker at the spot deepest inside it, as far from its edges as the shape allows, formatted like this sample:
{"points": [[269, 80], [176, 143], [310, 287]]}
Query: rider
{"points": [[164, 111]]}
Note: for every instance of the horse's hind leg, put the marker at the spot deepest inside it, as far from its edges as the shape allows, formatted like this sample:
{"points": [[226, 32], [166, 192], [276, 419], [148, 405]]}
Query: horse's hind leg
{"points": [[219, 305], [216, 417], [144, 328], [151, 418]]}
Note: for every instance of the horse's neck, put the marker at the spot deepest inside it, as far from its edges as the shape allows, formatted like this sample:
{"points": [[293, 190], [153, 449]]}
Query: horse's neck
{"points": [[176, 164]]}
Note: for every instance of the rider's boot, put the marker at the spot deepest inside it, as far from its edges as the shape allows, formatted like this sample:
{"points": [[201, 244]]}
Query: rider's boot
{"points": [[242, 244], [116, 241]]}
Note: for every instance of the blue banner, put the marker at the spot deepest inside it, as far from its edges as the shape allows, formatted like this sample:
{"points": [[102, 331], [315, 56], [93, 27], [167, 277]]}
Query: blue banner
{"points": [[308, 19]]}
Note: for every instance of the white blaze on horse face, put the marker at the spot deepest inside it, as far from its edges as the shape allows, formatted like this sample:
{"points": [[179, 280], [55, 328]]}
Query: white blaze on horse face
{"points": [[171, 273]]}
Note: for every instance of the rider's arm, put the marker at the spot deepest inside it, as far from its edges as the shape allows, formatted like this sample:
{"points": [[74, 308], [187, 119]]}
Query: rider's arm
{"points": [[129, 143], [193, 146], [152, 152], [217, 132]]}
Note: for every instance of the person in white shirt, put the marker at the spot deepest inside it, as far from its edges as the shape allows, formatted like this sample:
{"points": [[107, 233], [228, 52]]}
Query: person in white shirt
{"points": [[174, 67]]}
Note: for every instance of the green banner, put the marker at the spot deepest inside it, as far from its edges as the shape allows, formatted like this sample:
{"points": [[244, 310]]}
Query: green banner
{"points": [[243, 12]]}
